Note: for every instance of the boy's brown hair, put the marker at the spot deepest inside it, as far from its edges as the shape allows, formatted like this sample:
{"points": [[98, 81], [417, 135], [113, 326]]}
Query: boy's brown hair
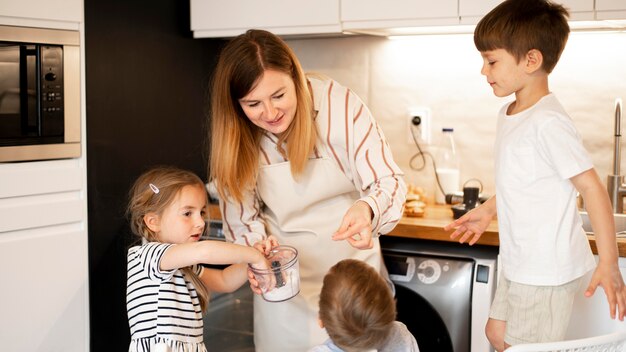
{"points": [[518, 26], [356, 306]]}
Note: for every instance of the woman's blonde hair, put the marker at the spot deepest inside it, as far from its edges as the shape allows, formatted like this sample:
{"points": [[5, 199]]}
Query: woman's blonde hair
{"points": [[356, 306], [153, 192], [235, 141]]}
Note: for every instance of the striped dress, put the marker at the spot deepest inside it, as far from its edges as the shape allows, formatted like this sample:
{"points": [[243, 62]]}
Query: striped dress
{"points": [[163, 306], [353, 139]]}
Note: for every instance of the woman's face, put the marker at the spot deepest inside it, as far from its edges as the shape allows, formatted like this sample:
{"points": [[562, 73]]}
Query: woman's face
{"points": [[271, 104]]}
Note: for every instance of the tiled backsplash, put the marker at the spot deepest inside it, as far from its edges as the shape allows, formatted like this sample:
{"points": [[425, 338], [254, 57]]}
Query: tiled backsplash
{"points": [[443, 73]]}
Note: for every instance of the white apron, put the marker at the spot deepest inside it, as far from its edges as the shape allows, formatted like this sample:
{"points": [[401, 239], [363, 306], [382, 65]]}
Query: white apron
{"points": [[305, 214]]}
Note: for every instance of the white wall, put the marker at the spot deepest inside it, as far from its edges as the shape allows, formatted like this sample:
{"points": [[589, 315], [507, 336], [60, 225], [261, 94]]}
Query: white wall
{"points": [[443, 73]]}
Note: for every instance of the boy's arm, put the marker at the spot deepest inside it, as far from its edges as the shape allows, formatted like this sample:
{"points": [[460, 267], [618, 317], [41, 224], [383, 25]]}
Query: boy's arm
{"points": [[607, 273], [474, 223]]}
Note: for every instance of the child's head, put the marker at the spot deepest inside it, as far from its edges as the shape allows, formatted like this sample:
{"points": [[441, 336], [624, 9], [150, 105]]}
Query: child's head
{"points": [[519, 26], [153, 197], [356, 306]]}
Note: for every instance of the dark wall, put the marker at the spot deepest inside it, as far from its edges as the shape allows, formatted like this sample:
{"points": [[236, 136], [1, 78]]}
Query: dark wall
{"points": [[146, 85]]}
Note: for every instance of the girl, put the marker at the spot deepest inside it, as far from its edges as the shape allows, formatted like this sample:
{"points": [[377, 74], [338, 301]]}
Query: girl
{"points": [[167, 291]]}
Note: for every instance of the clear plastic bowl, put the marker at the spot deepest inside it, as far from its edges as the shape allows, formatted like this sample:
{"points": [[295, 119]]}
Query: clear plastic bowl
{"points": [[282, 281]]}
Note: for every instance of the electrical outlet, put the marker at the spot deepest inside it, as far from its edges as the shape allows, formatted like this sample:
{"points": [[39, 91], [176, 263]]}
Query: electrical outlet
{"points": [[423, 128]]}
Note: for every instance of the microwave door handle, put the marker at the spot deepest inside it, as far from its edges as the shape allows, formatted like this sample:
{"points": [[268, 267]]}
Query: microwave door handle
{"points": [[30, 86]]}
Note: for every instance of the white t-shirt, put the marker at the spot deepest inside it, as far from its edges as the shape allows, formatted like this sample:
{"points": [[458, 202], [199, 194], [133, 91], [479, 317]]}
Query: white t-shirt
{"points": [[537, 151]]}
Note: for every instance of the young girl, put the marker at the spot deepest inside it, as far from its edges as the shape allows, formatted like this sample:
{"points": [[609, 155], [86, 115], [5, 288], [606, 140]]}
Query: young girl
{"points": [[167, 289]]}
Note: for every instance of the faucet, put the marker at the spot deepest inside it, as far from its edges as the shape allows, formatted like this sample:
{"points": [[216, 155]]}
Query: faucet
{"points": [[615, 182]]}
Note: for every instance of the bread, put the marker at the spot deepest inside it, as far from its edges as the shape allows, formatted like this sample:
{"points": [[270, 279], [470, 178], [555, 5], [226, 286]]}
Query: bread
{"points": [[415, 201]]}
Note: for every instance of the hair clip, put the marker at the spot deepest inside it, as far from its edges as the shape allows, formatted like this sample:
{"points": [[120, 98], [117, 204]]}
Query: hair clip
{"points": [[154, 188]]}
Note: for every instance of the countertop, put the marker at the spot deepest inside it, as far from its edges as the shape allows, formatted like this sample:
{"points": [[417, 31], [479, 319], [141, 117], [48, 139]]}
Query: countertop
{"points": [[430, 227]]}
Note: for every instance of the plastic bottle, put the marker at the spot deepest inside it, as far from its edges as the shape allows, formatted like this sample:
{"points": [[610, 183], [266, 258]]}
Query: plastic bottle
{"points": [[446, 166]]}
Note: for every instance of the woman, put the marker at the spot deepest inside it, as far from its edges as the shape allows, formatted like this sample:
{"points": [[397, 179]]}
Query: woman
{"points": [[300, 159]]}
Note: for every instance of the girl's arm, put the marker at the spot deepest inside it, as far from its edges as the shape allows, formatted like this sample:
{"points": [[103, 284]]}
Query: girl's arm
{"points": [[211, 252], [227, 280]]}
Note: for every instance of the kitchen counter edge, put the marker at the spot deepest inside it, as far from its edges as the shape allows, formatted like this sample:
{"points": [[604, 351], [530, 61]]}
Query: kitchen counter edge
{"points": [[430, 227]]}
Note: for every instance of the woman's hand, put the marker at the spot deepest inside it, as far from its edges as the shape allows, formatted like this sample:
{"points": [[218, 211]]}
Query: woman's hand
{"points": [[356, 226], [265, 246]]}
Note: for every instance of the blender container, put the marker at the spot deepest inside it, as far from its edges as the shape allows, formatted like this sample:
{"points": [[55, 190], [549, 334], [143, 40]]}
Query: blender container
{"points": [[282, 281]]}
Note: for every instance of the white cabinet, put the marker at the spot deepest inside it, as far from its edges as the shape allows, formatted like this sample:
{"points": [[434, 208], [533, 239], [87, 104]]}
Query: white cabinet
{"points": [[372, 14], [611, 9], [471, 11], [43, 256], [20, 12], [211, 18]]}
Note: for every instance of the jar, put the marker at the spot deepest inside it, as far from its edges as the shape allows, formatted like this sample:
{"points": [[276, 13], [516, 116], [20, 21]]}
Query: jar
{"points": [[282, 281]]}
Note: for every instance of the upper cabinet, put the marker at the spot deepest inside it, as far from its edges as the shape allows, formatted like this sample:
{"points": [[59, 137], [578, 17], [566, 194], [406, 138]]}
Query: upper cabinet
{"points": [[471, 11], [226, 19], [211, 18], [611, 9], [49, 10], [362, 15]]}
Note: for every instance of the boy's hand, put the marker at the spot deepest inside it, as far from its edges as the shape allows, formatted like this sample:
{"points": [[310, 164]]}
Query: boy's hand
{"points": [[609, 277], [472, 224]]}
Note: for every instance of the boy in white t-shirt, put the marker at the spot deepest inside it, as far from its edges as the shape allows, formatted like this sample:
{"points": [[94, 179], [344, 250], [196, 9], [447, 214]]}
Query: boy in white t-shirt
{"points": [[540, 163]]}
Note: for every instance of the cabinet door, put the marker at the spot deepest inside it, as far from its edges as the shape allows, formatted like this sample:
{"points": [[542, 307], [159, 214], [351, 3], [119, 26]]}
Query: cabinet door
{"points": [[611, 9], [471, 11], [579, 10], [55, 10], [211, 18], [610, 5], [374, 14]]}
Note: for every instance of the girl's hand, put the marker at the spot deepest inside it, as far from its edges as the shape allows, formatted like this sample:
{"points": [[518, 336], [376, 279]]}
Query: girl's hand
{"points": [[356, 226], [254, 285]]}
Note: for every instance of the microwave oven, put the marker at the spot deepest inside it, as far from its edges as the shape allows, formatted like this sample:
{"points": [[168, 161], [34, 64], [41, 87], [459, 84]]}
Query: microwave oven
{"points": [[39, 94]]}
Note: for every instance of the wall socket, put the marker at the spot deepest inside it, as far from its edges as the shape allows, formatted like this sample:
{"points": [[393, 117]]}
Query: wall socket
{"points": [[423, 130]]}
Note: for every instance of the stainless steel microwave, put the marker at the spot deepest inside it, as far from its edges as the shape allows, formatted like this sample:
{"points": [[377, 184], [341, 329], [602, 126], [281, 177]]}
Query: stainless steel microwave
{"points": [[39, 94]]}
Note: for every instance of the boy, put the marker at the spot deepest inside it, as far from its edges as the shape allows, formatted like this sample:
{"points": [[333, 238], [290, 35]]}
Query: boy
{"points": [[540, 163], [358, 311]]}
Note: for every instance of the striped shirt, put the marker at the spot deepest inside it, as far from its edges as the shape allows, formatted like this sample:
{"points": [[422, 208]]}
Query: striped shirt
{"points": [[354, 141], [163, 307]]}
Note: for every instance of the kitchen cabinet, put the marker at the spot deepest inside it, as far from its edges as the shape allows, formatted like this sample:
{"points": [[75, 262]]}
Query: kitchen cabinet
{"points": [[43, 256], [370, 14], [44, 302], [471, 11], [230, 18], [611, 9], [56, 13]]}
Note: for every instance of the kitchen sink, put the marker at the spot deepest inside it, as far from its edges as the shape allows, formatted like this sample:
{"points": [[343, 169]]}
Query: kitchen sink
{"points": [[620, 224]]}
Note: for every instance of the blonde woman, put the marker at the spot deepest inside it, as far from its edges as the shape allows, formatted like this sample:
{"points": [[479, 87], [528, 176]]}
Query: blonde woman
{"points": [[300, 159]]}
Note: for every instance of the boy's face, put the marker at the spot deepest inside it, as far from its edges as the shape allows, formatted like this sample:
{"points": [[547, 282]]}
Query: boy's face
{"points": [[504, 74]]}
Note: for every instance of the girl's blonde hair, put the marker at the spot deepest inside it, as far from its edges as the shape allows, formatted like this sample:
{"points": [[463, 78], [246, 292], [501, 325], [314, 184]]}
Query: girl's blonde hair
{"points": [[235, 141], [356, 306], [153, 192]]}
